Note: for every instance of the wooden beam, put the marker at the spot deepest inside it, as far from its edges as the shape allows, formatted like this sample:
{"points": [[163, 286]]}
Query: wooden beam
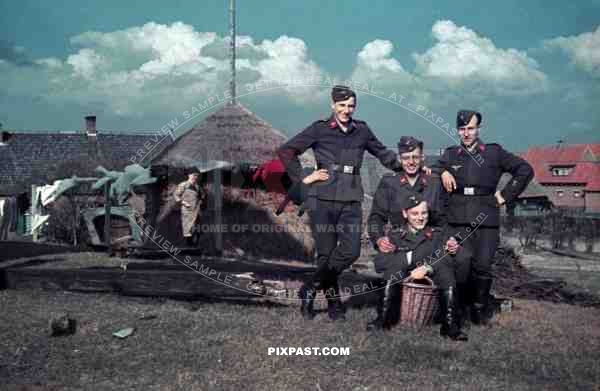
{"points": [[34, 211], [107, 235], [218, 209]]}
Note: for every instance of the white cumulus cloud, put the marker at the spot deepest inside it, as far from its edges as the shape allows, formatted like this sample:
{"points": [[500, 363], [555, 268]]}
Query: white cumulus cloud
{"points": [[375, 66], [583, 49], [462, 58], [158, 67]]}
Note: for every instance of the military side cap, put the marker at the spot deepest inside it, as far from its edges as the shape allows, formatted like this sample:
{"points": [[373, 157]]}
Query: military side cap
{"points": [[339, 93], [191, 171], [463, 117], [410, 200], [409, 144]]}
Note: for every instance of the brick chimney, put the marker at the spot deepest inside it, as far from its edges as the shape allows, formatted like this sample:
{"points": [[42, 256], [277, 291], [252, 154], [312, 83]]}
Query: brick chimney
{"points": [[90, 126], [5, 136]]}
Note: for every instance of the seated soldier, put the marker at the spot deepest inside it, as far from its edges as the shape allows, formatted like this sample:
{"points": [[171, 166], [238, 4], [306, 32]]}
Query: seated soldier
{"points": [[421, 249], [394, 187]]}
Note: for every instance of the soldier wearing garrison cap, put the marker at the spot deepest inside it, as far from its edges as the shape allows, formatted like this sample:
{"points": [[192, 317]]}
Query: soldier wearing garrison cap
{"points": [[421, 249], [338, 143], [392, 188], [470, 173]]}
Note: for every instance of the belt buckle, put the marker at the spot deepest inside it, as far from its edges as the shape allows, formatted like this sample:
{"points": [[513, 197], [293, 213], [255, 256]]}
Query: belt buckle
{"points": [[348, 170], [469, 191]]}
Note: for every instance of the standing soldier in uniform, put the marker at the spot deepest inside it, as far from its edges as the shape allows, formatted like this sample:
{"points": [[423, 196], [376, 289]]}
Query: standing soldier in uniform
{"points": [[423, 250], [338, 143], [191, 196], [470, 173], [392, 188]]}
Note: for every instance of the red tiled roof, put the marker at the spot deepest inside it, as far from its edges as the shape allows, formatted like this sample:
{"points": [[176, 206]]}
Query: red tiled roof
{"points": [[584, 157], [563, 153], [594, 183]]}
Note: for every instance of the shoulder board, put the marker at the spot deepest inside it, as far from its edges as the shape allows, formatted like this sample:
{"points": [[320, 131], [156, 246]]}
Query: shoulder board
{"points": [[389, 175], [359, 121]]}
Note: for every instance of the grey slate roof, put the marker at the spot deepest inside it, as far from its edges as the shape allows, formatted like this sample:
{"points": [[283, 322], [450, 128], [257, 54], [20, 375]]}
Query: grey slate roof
{"points": [[33, 158]]}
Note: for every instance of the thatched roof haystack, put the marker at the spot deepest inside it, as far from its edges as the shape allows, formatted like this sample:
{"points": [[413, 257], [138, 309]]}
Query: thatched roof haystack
{"points": [[234, 134]]}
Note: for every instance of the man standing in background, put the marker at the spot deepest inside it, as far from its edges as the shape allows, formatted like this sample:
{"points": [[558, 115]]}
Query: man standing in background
{"points": [[191, 196]]}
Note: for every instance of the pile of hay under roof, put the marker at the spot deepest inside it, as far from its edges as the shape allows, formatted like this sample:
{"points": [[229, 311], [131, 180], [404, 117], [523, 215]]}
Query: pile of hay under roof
{"points": [[235, 134]]}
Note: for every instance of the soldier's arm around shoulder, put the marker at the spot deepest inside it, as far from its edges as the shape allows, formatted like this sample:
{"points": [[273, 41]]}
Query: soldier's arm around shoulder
{"points": [[519, 168], [386, 156], [442, 164], [380, 211], [438, 202]]}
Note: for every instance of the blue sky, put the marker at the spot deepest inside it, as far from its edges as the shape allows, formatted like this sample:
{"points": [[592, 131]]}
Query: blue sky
{"points": [[532, 68]]}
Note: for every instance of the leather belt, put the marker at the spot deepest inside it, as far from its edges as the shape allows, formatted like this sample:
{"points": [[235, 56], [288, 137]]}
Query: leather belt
{"points": [[474, 191], [344, 169]]}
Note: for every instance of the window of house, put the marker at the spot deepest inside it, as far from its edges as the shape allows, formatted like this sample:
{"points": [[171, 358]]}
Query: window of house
{"points": [[561, 171], [560, 193]]}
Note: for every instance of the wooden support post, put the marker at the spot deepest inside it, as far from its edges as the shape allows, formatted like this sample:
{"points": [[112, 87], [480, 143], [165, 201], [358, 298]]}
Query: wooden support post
{"points": [[34, 211], [107, 236], [75, 217], [218, 197]]}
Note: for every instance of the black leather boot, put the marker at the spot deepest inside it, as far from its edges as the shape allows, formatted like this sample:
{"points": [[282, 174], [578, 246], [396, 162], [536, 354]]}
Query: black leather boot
{"points": [[388, 307], [450, 324], [377, 323], [307, 294], [462, 306], [480, 313], [335, 307], [308, 291]]}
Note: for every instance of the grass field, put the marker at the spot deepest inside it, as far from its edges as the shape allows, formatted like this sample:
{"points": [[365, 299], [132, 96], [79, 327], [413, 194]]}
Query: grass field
{"points": [[224, 346]]}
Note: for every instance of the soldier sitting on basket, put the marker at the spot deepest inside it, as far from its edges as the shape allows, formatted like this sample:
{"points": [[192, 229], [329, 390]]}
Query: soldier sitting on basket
{"points": [[422, 250]]}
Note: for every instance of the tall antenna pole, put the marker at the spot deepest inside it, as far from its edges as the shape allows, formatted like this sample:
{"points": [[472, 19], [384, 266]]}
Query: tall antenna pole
{"points": [[232, 48]]}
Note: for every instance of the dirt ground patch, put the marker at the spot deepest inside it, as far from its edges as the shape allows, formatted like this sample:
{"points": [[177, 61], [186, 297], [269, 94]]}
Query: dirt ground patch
{"points": [[224, 346]]}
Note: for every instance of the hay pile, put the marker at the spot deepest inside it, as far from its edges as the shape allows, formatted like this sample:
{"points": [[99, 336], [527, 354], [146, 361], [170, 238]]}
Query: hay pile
{"points": [[512, 279]]}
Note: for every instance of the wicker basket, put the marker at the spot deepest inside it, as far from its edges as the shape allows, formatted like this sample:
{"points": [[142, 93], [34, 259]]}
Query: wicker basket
{"points": [[419, 303]]}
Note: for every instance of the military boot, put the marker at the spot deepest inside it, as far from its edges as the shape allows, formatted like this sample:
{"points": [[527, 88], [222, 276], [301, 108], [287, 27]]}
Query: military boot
{"points": [[335, 307], [388, 307], [462, 306], [450, 324], [377, 323], [307, 294], [308, 291], [480, 312]]}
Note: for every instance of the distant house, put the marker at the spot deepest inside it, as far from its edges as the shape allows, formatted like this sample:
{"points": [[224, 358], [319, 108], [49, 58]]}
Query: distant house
{"points": [[37, 158], [570, 174]]}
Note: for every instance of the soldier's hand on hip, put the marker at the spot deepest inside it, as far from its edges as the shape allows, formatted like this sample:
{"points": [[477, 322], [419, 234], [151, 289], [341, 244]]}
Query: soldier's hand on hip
{"points": [[448, 181], [452, 245], [385, 245], [499, 199], [316, 176]]}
